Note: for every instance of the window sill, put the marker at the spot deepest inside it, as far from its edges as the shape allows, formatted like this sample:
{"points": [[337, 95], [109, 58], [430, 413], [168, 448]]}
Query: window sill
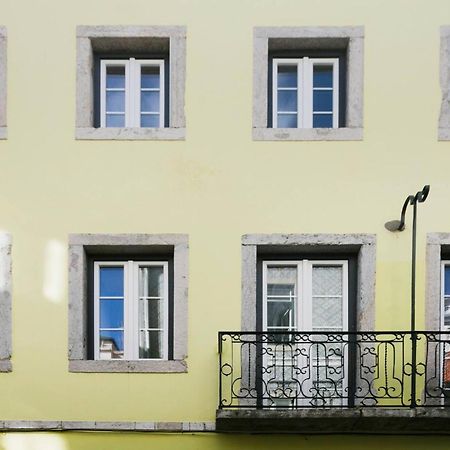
{"points": [[444, 134], [307, 134], [131, 134], [116, 366], [3, 133]]}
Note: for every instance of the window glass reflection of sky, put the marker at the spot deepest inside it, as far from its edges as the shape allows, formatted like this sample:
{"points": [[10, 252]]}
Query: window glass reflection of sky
{"points": [[111, 282], [111, 313]]}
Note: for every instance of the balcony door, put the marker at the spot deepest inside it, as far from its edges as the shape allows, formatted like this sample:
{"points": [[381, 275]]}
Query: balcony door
{"points": [[304, 311]]}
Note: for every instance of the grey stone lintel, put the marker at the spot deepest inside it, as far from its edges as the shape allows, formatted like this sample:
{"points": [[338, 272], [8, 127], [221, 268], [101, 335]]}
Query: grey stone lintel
{"points": [[129, 39], [444, 78], [148, 244], [304, 38], [67, 425], [3, 83], [366, 248], [5, 302]]}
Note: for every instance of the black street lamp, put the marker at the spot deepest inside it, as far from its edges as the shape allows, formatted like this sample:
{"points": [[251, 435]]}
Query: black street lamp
{"points": [[399, 225]]}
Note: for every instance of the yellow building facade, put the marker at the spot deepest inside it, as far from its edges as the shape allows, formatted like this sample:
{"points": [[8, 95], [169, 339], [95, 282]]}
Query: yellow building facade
{"points": [[212, 186]]}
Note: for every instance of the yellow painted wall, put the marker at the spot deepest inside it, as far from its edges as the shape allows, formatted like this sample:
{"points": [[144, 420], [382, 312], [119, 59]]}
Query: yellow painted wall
{"points": [[215, 186]]}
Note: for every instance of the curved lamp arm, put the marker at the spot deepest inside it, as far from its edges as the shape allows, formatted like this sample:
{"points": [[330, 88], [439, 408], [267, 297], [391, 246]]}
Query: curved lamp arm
{"points": [[420, 197]]}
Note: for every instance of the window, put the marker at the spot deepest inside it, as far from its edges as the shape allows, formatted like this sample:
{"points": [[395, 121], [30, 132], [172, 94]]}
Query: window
{"points": [[308, 83], [305, 93], [131, 82], [131, 317], [305, 295], [128, 303], [132, 93], [306, 258], [320, 284]]}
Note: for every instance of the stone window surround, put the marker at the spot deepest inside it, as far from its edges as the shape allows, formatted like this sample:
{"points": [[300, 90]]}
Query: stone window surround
{"points": [[113, 38], [365, 277], [78, 300], [5, 302], [435, 242], [3, 85], [444, 78], [309, 37]]}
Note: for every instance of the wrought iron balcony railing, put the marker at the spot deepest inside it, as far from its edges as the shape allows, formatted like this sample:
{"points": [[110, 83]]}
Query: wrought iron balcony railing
{"points": [[319, 369]]}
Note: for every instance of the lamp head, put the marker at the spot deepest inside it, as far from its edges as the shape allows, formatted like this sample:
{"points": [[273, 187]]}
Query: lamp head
{"points": [[394, 225]]}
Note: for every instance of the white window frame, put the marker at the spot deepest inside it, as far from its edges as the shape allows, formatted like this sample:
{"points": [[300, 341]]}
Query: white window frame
{"points": [[303, 320], [131, 307], [133, 90], [305, 88]]}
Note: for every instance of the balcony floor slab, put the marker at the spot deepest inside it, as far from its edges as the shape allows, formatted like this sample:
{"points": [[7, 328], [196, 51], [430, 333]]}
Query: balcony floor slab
{"points": [[430, 420]]}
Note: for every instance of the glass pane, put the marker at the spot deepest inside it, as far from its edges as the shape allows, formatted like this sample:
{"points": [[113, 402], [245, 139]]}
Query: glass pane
{"points": [[115, 120], [287, 121], [327, 312], [115, 101], [280, 314], [151, 281], [323, 101], [115, 77], [150, 77], [111, 313], [447, 311], [150, 120], [151, 313], [111, 345], [327, 280], [287, 101], [150, 101], [323, 76], [447, 280], [282, 281], [150, 344], [287, 76], [111, 281], [322, 120]]}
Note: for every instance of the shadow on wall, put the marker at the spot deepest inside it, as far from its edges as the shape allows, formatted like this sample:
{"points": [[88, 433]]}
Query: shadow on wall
{"points": [[55, 271], [16, 441]]}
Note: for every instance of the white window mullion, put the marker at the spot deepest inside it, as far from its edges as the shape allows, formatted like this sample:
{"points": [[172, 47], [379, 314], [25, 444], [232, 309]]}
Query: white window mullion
{"points": [[130, 94], [307, 295], [128, 310], [307, 116]]}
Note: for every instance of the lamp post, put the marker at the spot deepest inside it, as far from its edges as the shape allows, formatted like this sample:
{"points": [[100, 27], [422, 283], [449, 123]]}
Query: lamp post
{"points": [[399, 225]]}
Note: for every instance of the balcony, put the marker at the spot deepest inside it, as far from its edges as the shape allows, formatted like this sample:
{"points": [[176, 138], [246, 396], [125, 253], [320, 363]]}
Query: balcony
{"points": [[334, 382]]}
